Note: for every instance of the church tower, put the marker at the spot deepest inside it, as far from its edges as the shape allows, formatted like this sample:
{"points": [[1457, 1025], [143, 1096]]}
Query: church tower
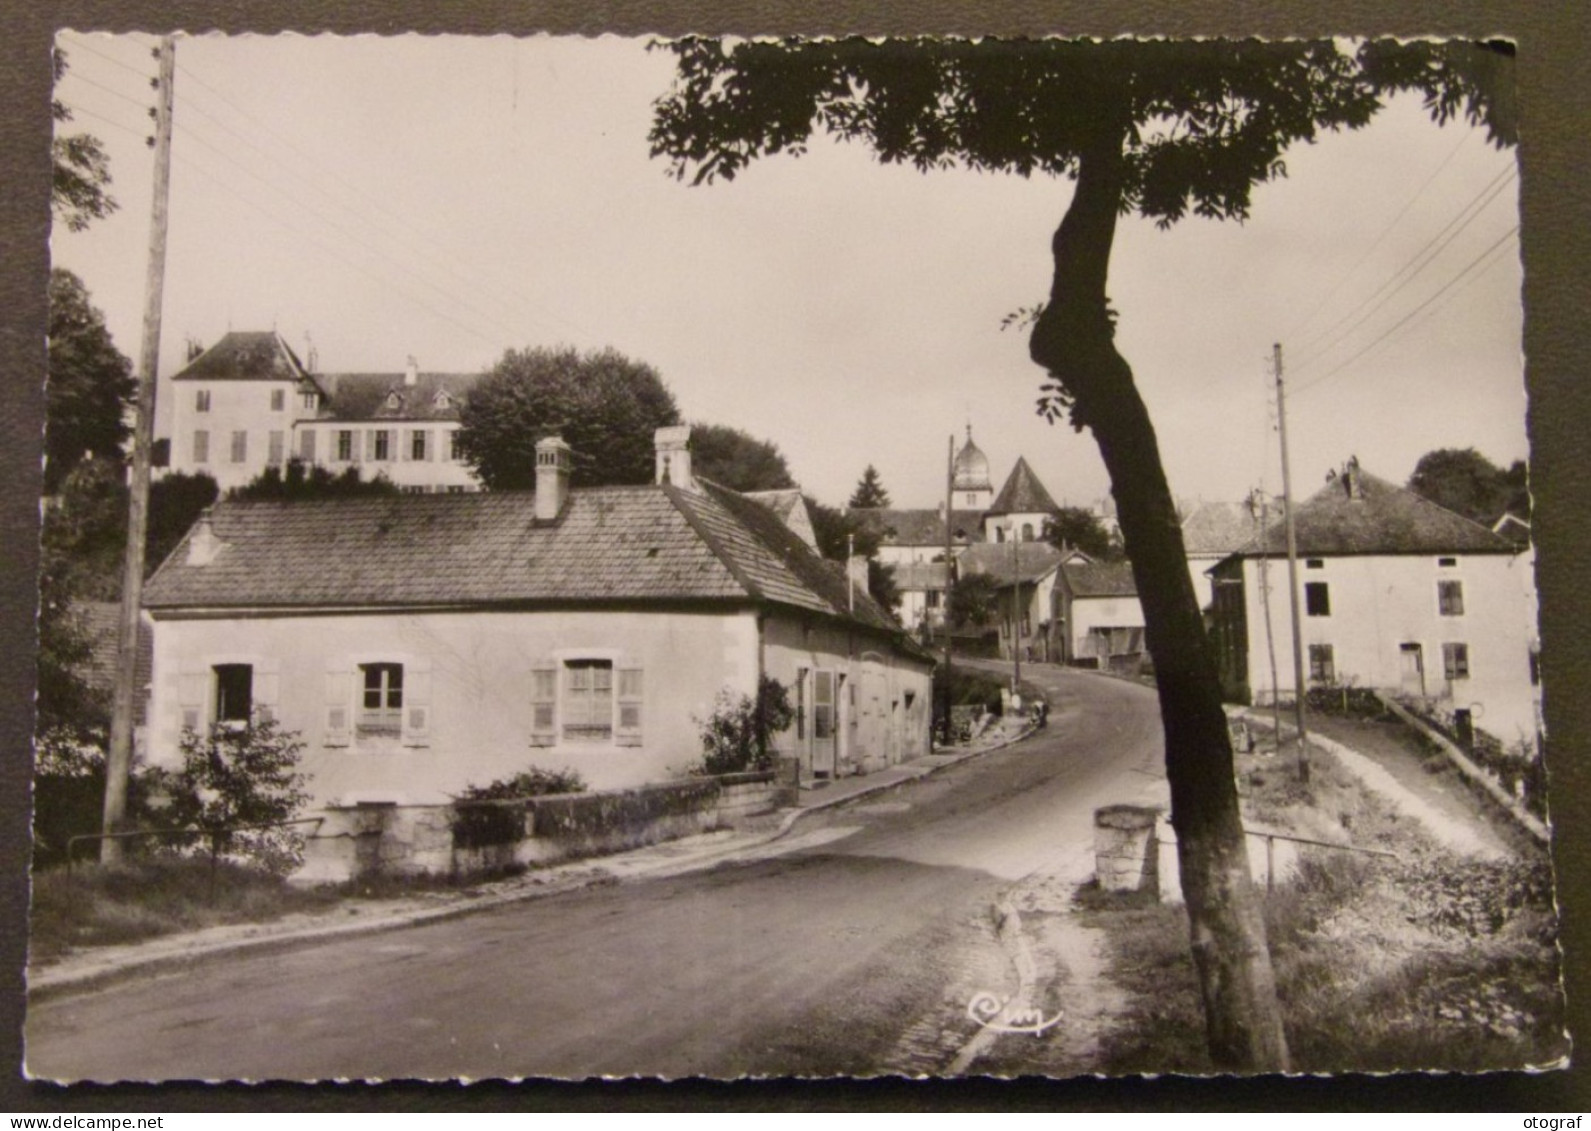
{"points": [[972, 489]]}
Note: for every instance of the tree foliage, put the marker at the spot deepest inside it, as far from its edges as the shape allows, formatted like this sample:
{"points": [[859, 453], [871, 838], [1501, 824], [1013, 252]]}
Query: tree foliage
{"points": [[605, 406], [1079, 528], [81, 174], [1467, 483], [839, 534], [1157, 128], [301, 482], [90, 388], [238, 775], [869, 490], [974, 600], [737, 460], [738, 735]]}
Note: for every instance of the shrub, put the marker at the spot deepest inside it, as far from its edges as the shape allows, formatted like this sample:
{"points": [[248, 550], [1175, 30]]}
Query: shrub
{"points": [[484, 825], [738, 734], [235, 776]]}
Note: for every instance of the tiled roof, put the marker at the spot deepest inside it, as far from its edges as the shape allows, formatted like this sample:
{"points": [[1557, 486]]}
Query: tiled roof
{"points": [[1100, 579], [1386, 519], [925, 527], [611, 544], [1221, 528], [367, 396], [1033, 560], [101, 625], [1023, 493], [245, 355], [919, 575]]}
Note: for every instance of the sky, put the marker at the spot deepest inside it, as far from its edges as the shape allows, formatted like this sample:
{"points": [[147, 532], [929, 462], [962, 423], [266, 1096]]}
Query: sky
{"points": [[451, 198]]}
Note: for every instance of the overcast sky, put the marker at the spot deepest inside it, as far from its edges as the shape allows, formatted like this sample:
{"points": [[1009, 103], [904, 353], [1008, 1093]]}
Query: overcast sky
{"points": [[451, 198]]}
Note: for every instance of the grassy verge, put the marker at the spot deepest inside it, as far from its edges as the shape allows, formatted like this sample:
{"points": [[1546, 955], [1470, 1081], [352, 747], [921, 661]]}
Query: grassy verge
{"points": [[1427, 961]]}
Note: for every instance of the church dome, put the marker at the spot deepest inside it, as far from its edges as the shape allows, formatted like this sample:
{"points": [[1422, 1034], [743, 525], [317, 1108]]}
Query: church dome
{"points": [[971, 469]]}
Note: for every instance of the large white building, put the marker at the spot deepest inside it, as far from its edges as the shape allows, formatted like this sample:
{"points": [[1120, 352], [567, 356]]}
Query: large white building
{"points": [[1396, 593], [248, 403]]}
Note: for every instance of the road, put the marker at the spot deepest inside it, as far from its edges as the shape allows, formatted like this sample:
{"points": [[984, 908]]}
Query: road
{"points": [[813, 955]]}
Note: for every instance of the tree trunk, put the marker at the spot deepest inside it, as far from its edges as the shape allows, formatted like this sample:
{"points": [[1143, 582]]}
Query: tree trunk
{"points": [[1073, 339]]}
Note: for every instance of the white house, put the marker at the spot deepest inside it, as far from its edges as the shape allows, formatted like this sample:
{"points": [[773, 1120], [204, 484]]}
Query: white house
{"points": [[419, 644], [1396, 593], [248, 403], [1099, 620]]}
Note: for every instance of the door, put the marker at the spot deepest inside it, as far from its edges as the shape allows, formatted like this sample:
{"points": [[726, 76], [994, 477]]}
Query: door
{"points": [[1411, 670], [823, 744]]}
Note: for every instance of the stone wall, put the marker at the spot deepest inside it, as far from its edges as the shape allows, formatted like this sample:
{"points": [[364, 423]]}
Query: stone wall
{"points": [[411, 840]]}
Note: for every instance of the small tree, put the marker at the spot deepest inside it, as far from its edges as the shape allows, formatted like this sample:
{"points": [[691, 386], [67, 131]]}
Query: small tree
{"points": [[738, 734], [974, 600], [869, 490], [1081, 529], [239, 775]]}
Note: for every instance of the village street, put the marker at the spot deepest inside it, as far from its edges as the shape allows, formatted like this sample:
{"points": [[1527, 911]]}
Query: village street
{"points": [[819, 953]]}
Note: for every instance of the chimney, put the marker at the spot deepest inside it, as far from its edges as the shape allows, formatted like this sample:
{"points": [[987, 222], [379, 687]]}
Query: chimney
{"points": [[203, 545], [1350, 478], [411, 372], [552, 477], [673, 447]]}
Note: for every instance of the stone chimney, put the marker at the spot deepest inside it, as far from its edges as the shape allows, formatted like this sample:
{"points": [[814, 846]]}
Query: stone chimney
{"points": [[552, 477], [673, 446], [203, 545], [411, 372], [1350, 478]]}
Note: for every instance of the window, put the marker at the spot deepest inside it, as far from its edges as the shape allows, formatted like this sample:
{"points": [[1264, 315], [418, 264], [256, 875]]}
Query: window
{"points": [[931, 598], [1450, 598], [276, 448], [455, 449], [455, 489], [309, 402], [1314, 563], [345, 446], [201, 400], [381, 444], [1027, 532], [234, 694], [381, 699], [972, 500], [1455, 661], [417, 444], [278, 400], [1317, 599], [588, 701], [306, 445], [240, 447], [394, 400], [201, 447], [1322, 664], [412, 489], [1446, 563], [442, 401]]}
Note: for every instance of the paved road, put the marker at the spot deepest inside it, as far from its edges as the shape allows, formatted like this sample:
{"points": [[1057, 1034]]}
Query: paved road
{"points": [[813, 955]]}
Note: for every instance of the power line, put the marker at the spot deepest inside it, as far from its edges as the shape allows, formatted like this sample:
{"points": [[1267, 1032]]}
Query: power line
{"points": [[136, 132], [78, 44], [141, 104], [1454, 281], [1376, 243], [1411, 269]]}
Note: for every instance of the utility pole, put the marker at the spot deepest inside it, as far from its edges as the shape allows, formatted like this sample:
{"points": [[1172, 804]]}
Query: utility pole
{"points": [[118, 763], [1292, 574], [1265, 596], [1016, 613], [944, 604]]}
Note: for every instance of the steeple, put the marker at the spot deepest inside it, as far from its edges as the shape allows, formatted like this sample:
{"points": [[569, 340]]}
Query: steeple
{"points": [[971, 485]]}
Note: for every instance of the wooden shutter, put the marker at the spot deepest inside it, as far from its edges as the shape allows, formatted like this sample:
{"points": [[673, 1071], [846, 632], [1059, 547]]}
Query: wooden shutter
{"points": [[267, 689], [339, 724], [417, 703], [192, 691], [627, 726], [544, 705]]}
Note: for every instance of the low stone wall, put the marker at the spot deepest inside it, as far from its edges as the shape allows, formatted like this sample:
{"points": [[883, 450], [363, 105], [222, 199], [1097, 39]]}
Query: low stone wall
{"points": [[411, 840]]}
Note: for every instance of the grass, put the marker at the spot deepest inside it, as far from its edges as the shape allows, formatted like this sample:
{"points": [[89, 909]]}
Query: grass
{"points": [[1422, 962], [95, 905]]}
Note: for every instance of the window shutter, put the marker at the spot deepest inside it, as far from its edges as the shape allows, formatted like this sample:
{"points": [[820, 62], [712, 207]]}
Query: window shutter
{"points": [[267, 689], [417, 703], [191, 692], [370, 444], [339, 729], [544, 705], [627, 728], [355, 448]]}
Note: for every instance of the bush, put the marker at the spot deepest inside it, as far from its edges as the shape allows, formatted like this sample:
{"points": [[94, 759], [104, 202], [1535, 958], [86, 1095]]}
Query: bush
{"points": [[484, 825], [737, 736], [231, 776]]}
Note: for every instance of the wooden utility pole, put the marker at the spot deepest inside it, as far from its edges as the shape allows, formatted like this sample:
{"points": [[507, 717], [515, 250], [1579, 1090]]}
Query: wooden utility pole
{"points": [[944, 604], [1265, 596], [1292, 575], [1016, 613], [118, 763]]}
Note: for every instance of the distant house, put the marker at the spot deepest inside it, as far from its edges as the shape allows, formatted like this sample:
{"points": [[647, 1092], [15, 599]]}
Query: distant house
{"points": [[1397, 594], [1212, 531], [1025, 573], [1021, 510], [1099, 621], [247, 403], [419, 644]]}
